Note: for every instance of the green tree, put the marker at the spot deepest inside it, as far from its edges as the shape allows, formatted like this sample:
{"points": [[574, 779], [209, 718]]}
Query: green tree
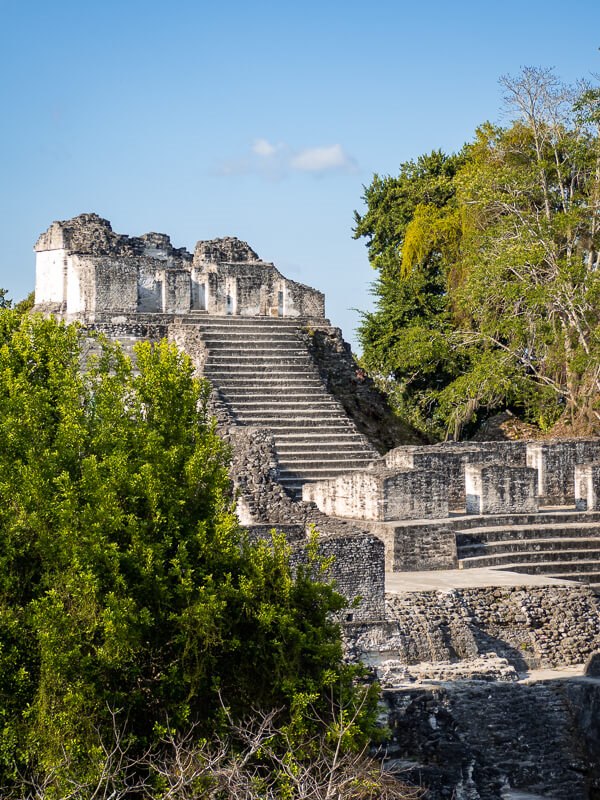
{"points": [[4, 301], [25, 305], [128, 594], [487, 293]]}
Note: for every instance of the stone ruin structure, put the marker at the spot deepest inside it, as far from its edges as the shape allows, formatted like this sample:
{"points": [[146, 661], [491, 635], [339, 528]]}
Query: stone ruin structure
{"points": [[475, 564], [84, 270]]}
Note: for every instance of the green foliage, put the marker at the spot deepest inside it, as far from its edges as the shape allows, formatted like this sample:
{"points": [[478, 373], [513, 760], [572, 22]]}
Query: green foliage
{"points": [[127, 590], [25, 305], [4, 301], [488, 264]]}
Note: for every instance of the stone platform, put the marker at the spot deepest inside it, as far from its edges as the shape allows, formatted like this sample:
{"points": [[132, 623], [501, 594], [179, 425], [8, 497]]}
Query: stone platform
{"points": [[445, 580]]}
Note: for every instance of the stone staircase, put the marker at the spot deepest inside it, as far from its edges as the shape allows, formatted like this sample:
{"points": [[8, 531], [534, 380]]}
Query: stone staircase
{"points": [[558, 544], [266, 378]]}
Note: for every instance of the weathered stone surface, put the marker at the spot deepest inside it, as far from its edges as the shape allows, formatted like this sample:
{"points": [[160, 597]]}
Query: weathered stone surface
{"points": [[500, 489], [229, 249], [555, 462], [587, 487], [592, 665], [478, 740], [451, 459], [414, 547], [531, 627], [356, 391], [85, 269], [394, 674], [357, 571], [380, 494]]}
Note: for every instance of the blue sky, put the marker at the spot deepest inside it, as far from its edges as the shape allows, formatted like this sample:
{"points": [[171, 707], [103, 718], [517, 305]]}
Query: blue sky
{"points": [[260, 120]]}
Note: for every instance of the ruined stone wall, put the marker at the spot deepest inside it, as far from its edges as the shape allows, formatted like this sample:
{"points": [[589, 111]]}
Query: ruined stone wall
{"points": [[150, 326], [531, 627], [476, 741], [555, 462], [357, 572], [379, 494], [500, 489], [362, 401], [84, 268], [303, 301], [415, 547], [451, 458]]}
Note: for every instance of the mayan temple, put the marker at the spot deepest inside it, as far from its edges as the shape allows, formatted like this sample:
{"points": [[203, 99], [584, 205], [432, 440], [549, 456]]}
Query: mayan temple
{"points": [[473, 567]]}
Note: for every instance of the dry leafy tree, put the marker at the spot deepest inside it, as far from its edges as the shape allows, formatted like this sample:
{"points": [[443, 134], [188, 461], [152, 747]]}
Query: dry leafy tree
{"points": [[256, 758]]}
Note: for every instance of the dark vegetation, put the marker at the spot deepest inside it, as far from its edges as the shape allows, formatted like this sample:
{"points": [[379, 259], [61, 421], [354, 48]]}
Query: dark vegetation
{"points": [[488, 267]]}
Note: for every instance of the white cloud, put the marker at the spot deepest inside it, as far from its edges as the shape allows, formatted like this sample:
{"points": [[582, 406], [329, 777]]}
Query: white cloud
{"points": [[322, 159], [264, 148], [276, 161]]}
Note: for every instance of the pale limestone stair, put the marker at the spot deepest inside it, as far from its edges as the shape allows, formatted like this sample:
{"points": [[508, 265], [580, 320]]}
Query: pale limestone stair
{"points": [[266, 378], [558, 544]]}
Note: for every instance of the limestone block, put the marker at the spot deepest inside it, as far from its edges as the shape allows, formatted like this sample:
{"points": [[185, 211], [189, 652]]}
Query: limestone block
{"points": [[450, 459], [587, 487], [382, 495], [176, 287], [555, 463], [499, 489], [84, 268]]}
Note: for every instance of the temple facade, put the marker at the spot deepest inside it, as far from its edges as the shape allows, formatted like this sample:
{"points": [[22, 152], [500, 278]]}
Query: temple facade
{"points": [[84, 270]]}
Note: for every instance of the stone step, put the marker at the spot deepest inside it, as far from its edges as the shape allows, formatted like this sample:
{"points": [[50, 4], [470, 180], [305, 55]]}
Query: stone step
{"points": [[247, 351], [327, 460], [238, 319], [296, 392], [283, 411], [267, 383], [255, 346], [478, 536], [271, 404], [206, 325], [343, 449], [297, 424], [591, 578], [276, 399], [327, 434], [529, 558], [556, 569], [266, 339], [220, 372], [528, 545], [251, 379], [249, 366], [316, 474], [272, 335], [545, 516], [288, 413]]}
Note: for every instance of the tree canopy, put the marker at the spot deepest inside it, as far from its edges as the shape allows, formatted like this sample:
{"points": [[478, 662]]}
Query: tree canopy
{"points": [[129, 596], [488, 268]]}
